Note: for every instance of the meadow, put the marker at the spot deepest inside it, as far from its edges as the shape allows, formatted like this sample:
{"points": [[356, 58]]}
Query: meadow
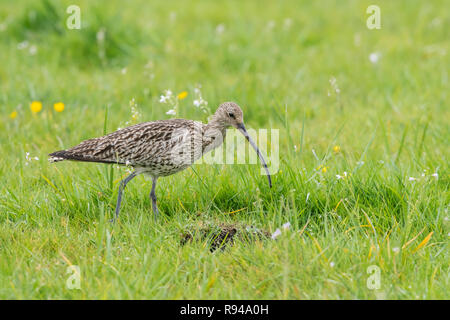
{"points": [[363, 119]]}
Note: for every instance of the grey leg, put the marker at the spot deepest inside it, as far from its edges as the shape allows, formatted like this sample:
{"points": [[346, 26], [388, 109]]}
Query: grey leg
{"points": [[122, 186], [153, 197]]}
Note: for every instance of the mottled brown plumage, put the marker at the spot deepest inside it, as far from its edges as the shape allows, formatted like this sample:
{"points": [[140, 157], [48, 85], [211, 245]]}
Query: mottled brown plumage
{"points": [[159, 148]]}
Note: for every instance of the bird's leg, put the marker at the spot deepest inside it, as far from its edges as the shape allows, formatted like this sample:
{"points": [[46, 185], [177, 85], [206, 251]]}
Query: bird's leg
{"points": [[122, 186], [153, 197]]}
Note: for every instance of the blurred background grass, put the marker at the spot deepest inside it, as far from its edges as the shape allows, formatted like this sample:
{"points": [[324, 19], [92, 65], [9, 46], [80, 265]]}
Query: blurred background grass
{"points": [[277, 60]]}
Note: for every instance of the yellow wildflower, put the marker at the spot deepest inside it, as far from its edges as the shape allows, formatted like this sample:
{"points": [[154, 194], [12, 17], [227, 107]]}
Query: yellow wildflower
{"points": [[36, 106], [336, 149], [59, 107], [322, 168], [13, 115], [182, 95]]}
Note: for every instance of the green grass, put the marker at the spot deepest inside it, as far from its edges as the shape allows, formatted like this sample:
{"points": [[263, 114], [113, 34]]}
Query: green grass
{"points": [[389, 118]]}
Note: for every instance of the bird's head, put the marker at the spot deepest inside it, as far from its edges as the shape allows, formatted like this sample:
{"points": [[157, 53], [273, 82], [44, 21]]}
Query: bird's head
{"points": [[230, 114]]}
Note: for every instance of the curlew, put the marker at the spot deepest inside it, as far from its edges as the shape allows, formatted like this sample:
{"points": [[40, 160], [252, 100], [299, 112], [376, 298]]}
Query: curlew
{"points": [[159, 148]]}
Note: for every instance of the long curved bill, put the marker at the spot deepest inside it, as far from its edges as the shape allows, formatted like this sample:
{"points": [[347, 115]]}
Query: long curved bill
{"points": [[242, 129]]}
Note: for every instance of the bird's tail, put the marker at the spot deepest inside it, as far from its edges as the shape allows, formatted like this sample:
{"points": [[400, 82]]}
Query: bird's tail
{"points": [[57, 156]]}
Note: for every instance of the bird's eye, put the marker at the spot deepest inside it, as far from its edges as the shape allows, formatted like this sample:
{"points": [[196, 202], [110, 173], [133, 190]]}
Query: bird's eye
{"points": [[231, 114]]}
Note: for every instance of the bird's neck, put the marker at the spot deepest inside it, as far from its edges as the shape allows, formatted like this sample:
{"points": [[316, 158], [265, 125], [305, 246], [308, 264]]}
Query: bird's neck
{"points": [[215, 126], [213, 135]]}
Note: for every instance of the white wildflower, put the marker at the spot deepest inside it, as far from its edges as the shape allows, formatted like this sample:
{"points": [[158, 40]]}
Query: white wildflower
{"points": [[276, 234], [435, 175], [270, 25], [286, 226], [171, 112], [374, 57], [32, 50], [173, 16], [412, 179], [220, 28], [29, 158], [334, 85], [287, 23], [396, 249], [199, 102], [22, 45], [332, 264], [343, 176]]}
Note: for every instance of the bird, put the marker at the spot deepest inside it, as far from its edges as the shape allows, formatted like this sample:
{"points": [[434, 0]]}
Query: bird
{"points": [[160, 148]]}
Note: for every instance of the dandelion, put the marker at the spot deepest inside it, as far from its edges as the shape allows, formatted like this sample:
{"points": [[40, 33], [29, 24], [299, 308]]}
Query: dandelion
{"points": [[337, 149], [182, 95], [13, 115], [322, 168], [58, 106], [276, 234], [36, 106]]}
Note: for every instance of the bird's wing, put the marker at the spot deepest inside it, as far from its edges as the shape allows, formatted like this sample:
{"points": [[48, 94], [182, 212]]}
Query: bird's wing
{"points": [[135, 145]]}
